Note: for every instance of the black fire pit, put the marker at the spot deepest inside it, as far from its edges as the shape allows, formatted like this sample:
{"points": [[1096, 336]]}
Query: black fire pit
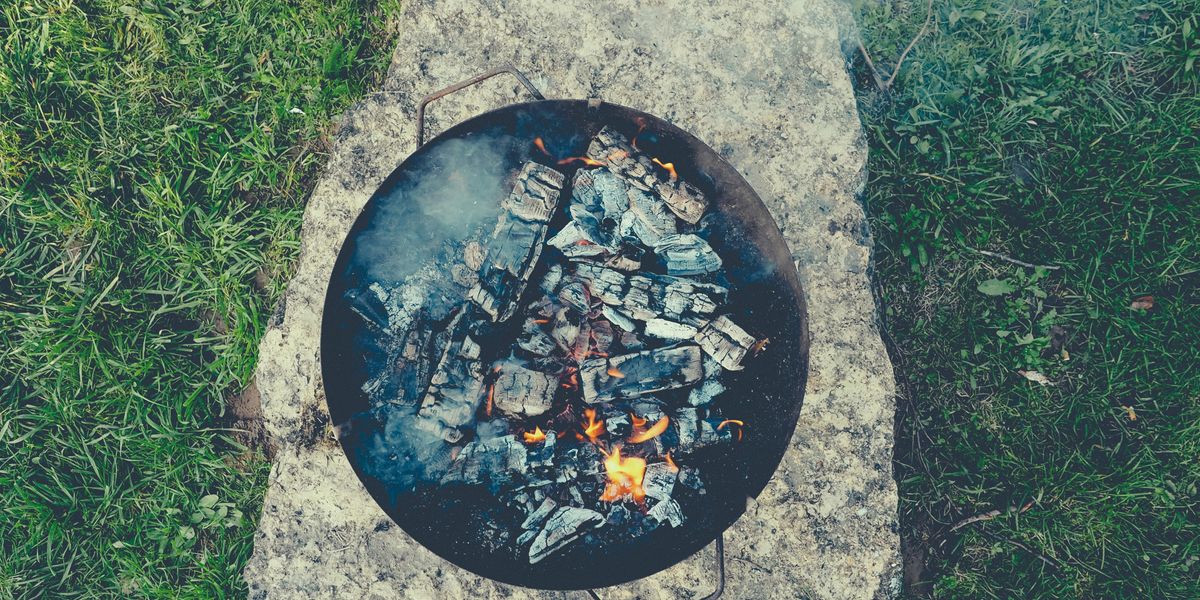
{"points": [[409, 241]]}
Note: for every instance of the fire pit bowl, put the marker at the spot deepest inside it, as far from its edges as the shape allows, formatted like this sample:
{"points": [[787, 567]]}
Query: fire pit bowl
{"points": [[448, 195]]}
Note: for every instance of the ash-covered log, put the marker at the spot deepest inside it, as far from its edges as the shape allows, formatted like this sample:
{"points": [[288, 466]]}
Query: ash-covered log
{"points": [[614, 149], [723, 340], [647, 219], [659, 480], [687, 254], [456, 387], [632, 375], [566, 525], [517, 240], [647, 296], [667, 511], [521, 391], [495, 462]]}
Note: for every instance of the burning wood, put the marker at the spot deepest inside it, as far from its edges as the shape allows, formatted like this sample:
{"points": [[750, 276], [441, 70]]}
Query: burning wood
{"points": [[632, 375], [648, 296], [614, 150], [517, 240], [723, 340], [521, 391]]}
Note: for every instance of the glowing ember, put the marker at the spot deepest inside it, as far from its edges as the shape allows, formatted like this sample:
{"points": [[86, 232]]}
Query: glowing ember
{"points": [[649, 434], [670, 167], [671, 463], [624, 477], [487, 410], [737, 422], [541, 146], [585, 160], [615, 372], [537, 435], [637, 421], [594, 428], [541, 321]]}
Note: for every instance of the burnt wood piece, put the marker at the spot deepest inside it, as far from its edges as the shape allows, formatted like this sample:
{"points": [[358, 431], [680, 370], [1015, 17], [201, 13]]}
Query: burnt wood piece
{"points": [[566, 525], [540, 514], [517, 240], [667, 511], [647, 296], [723, 340], [521, 391], [659, 480], [533, 340], [542, 455], [495, 462], [687, 254], [418, 356], [711, 387], [456, 387], [614, 149], [666, 329], [370, 307], [648, 220], [632, 375]]}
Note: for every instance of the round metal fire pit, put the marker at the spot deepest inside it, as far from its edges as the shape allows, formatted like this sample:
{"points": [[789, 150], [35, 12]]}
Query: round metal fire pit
{"points": [[395, 229]]}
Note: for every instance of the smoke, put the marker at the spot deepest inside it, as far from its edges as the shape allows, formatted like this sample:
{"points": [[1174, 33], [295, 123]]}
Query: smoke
{"points": [[449, 194]]}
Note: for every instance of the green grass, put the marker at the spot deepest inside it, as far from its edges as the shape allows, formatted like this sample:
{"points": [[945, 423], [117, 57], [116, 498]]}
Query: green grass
{"points": [[154, 158], [1063, 134]]}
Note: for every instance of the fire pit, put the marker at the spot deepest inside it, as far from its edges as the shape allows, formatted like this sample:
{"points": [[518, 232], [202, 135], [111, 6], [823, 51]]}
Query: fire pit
{"points": [[563, 343]]}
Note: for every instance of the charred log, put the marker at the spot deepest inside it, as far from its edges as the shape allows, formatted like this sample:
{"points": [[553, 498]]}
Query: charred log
{"points": [[456, 387], [495, 462], [632, 375], [517, 240], [522, 392], [687, 254], [648, 296], [723, 340], [614, 149], [566, 525]]}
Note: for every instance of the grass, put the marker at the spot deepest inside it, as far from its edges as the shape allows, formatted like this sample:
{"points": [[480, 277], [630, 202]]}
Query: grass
{"points": [[1063, 134], [154, 158]]}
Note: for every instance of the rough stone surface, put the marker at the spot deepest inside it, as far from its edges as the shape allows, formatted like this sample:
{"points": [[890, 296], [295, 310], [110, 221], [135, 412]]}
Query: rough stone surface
{"points": [[765, 84]]}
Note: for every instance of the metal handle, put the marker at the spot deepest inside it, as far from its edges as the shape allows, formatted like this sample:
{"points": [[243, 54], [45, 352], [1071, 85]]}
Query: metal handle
{"points": [[468, 83]]}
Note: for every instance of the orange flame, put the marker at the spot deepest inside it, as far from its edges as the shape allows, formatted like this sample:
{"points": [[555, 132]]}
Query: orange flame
{"points": [[624, 477], [541, 321], [671, 463], [637, 421], [615, 372], [541, 146], [594, 428], [737, 422], [537, 435], [670, 167], [649, 434], [585, 160]]}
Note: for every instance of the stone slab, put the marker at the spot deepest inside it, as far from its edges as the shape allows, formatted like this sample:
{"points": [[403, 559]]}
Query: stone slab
{"points": [[766, 85]]}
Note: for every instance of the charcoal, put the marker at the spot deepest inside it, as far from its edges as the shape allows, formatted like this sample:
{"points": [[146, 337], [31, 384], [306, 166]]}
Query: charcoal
{"points": [[665, 329], [517, 240], [574, 294], [623, 261], [575, 240], [667, 511], [649, 296], [631, 341], [614, 149], [550, 280], [723, 340], [521, 391], [539, 516], [601, 335], [632, 375], [464, 275], [647, 219], [456, 387], [686, 426], [703, 394], [690, 477], [576, 495], [473, 255], [542, 455], [496, 462], [566, 525], [659, 480], [566, 325], [712, 434], [419, 354], [368, 305], [526, 536], [687, 254], [618, 318], [533, 340]]}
